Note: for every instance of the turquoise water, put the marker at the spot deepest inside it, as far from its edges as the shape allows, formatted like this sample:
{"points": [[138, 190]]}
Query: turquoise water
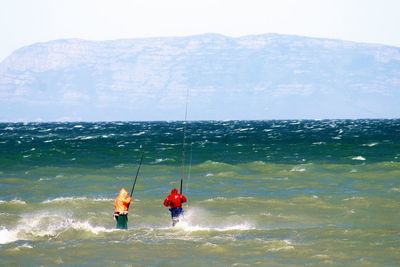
{"points": [[261, 193]]}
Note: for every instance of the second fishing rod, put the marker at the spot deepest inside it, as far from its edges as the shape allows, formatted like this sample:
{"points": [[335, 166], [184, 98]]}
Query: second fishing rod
{"points": [[137, 173]]}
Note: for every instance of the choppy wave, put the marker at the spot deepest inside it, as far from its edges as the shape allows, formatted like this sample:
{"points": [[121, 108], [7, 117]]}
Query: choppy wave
{"points": [[7, 236], [161, 160], [190, 227], [371, 144], [14, 201], [46, 225], [56, 225], [298, 169], [196, 219], [278, 245], [69, 199], [215, 199], [219, 142]]}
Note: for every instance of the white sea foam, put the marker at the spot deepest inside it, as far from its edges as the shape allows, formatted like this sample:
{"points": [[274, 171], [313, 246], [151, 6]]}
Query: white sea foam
{"points": [[353, 198], [298, 169], [244, 198], [138, 134], [25, 245], [371, 144], [193, 227], [63, 199], [358, 158], [281, 245], [268, 214], [319, 143], [215, 199], [86, 226], [245, 129], [45, 224], [224, 198], [196, 219], [259, 162], [14, 201], [68, 199], [209, 244], [18, 201], [87, 137], [7, 236], [162, 160]]}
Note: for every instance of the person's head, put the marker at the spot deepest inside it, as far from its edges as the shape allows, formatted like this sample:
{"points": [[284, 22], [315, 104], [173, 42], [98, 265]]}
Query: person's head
{"points": [[174, 191], [123, 192]]}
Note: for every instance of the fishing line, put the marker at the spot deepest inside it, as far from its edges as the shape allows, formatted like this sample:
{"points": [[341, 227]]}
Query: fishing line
{"points": [[184, 141], [190, 167], [189, 172]]}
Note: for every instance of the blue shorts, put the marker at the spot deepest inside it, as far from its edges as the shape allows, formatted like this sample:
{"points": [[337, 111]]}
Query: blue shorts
{"points": [[176, 212]]}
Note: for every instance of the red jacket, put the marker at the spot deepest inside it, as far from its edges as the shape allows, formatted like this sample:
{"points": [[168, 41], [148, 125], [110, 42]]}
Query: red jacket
{"points": [[174, 200]]}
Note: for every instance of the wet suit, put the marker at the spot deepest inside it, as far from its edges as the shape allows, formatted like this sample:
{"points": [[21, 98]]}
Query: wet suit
{"points": [[174, 202]]}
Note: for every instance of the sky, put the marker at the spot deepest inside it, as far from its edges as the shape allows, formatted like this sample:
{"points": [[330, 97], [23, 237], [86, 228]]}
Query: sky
{"points": [[24, 22]]}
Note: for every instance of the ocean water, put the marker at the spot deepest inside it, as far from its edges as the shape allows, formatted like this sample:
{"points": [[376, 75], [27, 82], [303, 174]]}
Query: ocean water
{"points": [[261, 193]]}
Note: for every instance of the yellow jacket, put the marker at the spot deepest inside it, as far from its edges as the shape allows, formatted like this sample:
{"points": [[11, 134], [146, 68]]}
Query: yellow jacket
{"points": [[122, 201]]}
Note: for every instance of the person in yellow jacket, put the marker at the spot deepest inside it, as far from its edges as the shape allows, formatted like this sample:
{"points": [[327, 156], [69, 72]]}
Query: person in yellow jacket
{"points": [[121, 206]]}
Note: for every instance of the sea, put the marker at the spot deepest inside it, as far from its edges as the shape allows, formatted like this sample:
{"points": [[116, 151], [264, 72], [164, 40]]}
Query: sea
{"points": [[260, 193]]}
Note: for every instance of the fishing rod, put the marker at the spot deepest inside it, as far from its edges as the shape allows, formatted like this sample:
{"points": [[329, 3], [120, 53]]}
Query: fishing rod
{"points": [[137, 173], [180, 189]]}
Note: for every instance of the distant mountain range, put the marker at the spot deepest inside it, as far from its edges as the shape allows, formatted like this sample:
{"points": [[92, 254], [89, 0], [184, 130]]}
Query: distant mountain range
{"points": [[267, 76]]}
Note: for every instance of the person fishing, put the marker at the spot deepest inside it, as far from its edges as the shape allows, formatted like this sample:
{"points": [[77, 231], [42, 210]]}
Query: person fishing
{"points": [[123, 200], [174, 202], [121, 206]]}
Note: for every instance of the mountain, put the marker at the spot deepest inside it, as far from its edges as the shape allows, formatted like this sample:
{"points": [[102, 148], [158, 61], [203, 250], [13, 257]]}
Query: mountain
{"points": [[267, 76]]}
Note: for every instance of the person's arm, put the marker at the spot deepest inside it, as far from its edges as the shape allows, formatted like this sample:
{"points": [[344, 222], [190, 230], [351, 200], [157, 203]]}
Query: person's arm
{"points": [[166, 202], [128, 200], [183, 199]]}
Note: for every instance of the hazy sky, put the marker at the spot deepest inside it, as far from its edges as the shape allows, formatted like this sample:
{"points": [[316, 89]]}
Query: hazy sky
{"points": [[23, 22]]}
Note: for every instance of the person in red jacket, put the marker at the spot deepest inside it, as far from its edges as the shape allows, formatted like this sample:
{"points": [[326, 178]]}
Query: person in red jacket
{"points": [[174, 202]]}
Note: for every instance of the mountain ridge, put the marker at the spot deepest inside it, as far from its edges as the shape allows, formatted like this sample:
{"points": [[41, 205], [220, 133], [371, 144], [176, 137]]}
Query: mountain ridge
{"points": [[269, 76]]}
